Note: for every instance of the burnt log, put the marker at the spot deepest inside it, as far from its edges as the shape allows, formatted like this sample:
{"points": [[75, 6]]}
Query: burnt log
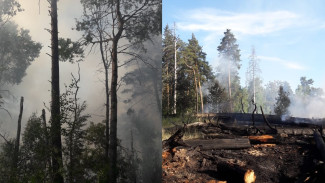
{"points": [[237, 143], [263, 139], [174, 141]]}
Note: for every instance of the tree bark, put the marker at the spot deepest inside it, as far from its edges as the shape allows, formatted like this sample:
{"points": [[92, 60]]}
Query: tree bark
{"points": [[201, 95], [106, 67], [16, 150], [237, 143], [55, 95], [113, 120], [175, 72], [196, 92], [46, 140], [229, 88]]}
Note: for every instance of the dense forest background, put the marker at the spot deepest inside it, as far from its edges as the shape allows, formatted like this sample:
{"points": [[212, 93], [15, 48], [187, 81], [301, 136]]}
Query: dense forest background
{"points": [[191, 85], [109, 123]]}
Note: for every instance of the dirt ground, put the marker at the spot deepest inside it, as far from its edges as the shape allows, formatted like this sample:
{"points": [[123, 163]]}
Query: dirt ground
{"points": [[293, 158]]}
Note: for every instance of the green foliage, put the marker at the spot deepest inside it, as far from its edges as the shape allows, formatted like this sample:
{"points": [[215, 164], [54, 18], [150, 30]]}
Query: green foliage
{"points": [[217, 97], [93, 156], [6, 152], [306, 89], [70, 51], [241, 102], [282, 102], [74, 121], [17, 52], [35, 150], [8, 9], [228, 67], [140, 19], [271, 93], [193, 68], [229, 49]]}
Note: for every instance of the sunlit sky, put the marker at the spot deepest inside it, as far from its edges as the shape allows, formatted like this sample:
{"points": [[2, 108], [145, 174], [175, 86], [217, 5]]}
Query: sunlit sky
{"points": [[288, 36]]}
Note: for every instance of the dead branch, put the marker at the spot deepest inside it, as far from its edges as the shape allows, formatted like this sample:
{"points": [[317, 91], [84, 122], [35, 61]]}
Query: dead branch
{"points": [[175, 140], [253, 119], [267, 122], [242, 105]]}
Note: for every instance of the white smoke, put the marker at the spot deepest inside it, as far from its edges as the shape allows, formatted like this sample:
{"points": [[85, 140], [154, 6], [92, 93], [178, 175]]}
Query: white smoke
{"points": [[225, 65], [307, 107]]}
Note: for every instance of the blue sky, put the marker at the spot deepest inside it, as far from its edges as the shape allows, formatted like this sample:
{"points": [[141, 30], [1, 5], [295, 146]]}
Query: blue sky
{"points": [[289, 37]]}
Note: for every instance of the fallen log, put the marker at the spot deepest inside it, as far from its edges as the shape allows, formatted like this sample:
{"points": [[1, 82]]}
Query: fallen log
{"points": [[174, 141], [237, 143]]}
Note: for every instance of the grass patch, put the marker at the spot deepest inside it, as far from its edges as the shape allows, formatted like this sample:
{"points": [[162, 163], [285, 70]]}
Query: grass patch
{"points": [[169, 121], [187, 135]]}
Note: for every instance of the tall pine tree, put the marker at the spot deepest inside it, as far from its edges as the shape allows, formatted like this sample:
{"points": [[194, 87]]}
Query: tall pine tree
{"points": [[229, 53]]}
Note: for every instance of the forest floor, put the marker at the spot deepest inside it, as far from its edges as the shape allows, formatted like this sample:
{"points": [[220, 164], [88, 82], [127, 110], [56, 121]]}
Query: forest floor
{"points": [[220, 155]]}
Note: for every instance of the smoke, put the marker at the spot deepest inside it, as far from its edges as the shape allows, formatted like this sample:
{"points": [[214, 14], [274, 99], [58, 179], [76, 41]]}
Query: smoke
{"points": [[224, 67], [142, 97], [307, 107]]}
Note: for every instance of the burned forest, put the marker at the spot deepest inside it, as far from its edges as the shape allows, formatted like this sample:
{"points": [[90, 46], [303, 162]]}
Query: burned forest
{"points": [[219, 129], [74, 91]]}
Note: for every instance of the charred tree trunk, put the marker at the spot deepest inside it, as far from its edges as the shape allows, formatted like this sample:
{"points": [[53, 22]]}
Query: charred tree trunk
{"points": [[320, 144], [55, 95], [16, 149], [174, 140], [242, 105], [46, 140]]}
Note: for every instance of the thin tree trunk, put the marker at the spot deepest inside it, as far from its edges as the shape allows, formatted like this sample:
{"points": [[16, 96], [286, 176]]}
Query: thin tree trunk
{"points": [[201, 95], [113, 120], [168, 104], [229, 88], [46, 136], [196, 92], [175, 72], [55, 95], [16, 150], [106, 66]]}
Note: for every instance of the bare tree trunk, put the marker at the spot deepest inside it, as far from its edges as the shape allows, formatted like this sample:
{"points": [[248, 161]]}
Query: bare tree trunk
{"points": [[168, 103], [196, 92], [229, 88], [106, 66], [55, 94], [16, 150], [46, 136], [113, 120], [175, 72], [201, 95]]}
